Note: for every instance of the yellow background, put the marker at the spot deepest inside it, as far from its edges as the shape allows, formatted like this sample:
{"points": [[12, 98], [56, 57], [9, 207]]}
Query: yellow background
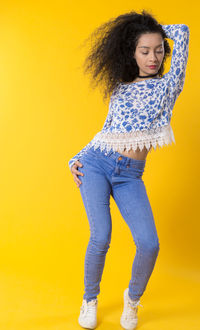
{"points": [[48, 114]]}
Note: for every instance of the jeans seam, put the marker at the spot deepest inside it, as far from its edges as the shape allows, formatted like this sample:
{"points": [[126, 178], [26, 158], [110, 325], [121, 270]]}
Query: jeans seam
{"points": [[85, 196], [137, 241]]}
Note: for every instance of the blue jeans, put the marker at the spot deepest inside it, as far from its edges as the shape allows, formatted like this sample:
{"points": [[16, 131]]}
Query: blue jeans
{"points": [[110, 173]]}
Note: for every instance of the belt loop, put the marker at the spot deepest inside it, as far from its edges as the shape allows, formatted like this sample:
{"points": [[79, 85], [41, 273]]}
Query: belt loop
{"points": [[128, 163]]}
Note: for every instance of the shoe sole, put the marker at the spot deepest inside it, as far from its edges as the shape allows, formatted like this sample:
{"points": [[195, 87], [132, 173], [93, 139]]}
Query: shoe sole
{"points": [[86, 326]]}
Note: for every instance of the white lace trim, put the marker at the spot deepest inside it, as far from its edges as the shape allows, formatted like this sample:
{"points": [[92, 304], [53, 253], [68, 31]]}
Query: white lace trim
{"points": [[128, 140]]}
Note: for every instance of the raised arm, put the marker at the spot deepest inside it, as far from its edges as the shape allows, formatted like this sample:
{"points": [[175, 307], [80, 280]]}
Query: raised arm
{"points": [[179, 33]]}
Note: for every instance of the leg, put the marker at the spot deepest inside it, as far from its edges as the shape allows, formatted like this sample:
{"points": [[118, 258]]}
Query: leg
{"points": [[133, 203], [95, 191]]}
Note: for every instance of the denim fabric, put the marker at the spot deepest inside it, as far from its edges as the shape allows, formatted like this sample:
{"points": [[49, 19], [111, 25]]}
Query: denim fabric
{"points": [[110, 173]]}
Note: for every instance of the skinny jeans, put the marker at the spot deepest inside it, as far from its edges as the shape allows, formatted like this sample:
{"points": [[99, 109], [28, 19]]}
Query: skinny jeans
{"points": [[112, 174]]}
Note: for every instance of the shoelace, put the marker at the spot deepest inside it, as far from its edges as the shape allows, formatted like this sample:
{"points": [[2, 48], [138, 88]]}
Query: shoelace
{"points": [[88, 307], [130, 312], [135, 304]]}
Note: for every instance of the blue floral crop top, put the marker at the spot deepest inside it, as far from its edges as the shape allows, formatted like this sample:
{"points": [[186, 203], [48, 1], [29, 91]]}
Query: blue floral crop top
{"points": [[140, 112]]}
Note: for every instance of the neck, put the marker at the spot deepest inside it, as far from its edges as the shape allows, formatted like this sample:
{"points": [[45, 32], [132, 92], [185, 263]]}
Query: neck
{"points": [[148, 76]]}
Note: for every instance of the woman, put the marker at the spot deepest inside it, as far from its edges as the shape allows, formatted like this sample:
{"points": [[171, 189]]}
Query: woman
{"points": [[128, 55]]}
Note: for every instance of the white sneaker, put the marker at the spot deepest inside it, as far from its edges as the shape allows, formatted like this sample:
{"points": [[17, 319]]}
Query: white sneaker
{"points": [[129, 317], [88, 314]]}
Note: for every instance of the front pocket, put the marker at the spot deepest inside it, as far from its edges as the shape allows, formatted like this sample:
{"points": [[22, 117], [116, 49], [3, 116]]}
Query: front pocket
{"points": [[91, 153]]}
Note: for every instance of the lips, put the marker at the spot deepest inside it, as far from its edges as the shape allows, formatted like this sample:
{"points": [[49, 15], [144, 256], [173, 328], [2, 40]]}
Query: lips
{"points": [[153, 66]]}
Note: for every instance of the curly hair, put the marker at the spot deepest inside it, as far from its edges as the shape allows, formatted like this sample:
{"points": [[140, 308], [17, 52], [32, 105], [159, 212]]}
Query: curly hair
{"points": [[110, 59]]}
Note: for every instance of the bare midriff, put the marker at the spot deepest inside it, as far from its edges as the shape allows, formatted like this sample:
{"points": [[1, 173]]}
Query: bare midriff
{"points": [[137, 154]]}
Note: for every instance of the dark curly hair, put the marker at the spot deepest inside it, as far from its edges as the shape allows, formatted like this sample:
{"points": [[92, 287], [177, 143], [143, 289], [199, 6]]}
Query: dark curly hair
{"points": [[110, 59]]}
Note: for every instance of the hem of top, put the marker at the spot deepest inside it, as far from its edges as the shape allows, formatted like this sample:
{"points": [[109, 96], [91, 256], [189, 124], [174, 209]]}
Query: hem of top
{"points": [[132, 140]]}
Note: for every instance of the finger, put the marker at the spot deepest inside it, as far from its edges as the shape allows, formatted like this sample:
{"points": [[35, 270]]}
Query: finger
{"points": [[79, 173], [78, 182], [76, 165], [76, 178], [79, 163], [76, 172]]}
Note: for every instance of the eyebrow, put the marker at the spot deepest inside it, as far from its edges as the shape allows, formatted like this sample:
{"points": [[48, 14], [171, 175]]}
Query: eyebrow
{"points": [[149, 47]]}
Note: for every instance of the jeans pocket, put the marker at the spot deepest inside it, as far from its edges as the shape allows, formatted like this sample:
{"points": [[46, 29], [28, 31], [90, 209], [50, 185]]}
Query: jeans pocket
{"points": [[91, 154], [88, 159]]}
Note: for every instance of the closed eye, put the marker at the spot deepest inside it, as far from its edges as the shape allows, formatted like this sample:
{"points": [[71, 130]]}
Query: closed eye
{"points": [[156, 52]]}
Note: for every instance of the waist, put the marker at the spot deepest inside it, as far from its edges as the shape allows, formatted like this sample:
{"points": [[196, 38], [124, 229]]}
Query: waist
{"points": [[135, 144], [137, 154]]}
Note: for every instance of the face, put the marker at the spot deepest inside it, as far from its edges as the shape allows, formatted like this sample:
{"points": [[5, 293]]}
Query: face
{"points": [[149, 52]]}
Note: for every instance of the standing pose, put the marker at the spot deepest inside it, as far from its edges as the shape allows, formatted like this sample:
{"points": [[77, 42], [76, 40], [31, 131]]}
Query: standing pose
{"points": [[128, 55]]}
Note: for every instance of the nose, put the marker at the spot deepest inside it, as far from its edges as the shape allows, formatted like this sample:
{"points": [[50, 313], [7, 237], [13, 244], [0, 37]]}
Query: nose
{"points": [[153, 57]]}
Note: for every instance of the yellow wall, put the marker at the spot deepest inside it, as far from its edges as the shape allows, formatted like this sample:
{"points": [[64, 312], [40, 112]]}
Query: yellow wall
{"points": [[48, 114]]}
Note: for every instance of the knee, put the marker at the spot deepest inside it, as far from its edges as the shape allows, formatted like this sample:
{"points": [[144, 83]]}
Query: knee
{"points": [[150, 248], [100, 244]]}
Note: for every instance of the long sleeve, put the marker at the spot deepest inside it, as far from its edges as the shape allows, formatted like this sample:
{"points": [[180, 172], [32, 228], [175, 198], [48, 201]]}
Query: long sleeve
{"points": [[179, 33], [106, 125], [108, 120], [79, 155]]}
